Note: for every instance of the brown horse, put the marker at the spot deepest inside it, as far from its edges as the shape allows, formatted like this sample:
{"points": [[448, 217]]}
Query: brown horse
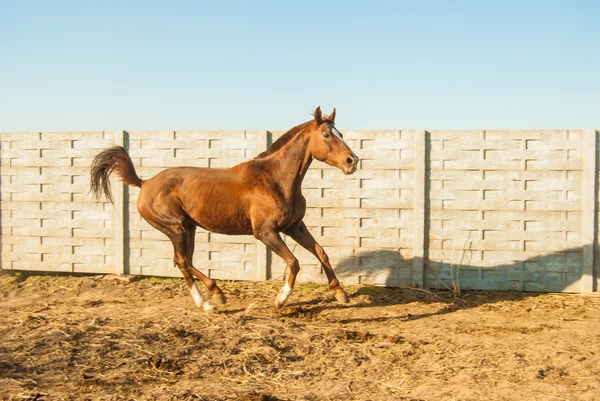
{"points": [[260, 197]]}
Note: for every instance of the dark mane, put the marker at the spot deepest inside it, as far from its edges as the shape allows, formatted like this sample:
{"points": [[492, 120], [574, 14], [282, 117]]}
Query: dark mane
{"points": [[283, 140]]}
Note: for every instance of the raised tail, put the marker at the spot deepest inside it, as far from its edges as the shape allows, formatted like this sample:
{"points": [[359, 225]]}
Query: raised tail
{"points": [[109, 160]]}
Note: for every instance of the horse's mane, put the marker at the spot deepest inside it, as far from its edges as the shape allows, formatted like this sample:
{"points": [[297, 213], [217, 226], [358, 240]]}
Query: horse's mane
{"points": [[283, 140]]}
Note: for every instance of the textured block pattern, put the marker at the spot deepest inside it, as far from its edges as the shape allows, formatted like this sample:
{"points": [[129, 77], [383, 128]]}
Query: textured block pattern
{"points": [[478, 209], [505, 210], [49, 221]]}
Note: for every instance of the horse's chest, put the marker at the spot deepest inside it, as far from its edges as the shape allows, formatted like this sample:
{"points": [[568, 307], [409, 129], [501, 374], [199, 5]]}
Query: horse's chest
{"points": [[291, 213]]}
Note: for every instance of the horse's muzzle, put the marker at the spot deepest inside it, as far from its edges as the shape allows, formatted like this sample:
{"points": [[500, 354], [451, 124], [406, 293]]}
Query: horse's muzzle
{"points": [[350, 165]]}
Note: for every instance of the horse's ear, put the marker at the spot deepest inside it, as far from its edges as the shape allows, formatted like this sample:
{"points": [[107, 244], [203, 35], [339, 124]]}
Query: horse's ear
{"points": [[318, 115], [331, 117]]}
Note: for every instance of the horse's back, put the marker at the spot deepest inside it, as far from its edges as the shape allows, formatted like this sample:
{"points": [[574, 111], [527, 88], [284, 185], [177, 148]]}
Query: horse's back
{"points": [[212, 198]]}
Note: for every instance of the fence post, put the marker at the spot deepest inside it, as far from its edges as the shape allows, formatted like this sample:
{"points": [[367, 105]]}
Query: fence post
{"points": [[596, 250], [118, 190], [262, 257], [420, 188], [588, 207]]}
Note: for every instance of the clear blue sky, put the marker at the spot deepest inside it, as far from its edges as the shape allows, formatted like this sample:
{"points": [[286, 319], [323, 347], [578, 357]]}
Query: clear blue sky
{"points": [[86, 65]]}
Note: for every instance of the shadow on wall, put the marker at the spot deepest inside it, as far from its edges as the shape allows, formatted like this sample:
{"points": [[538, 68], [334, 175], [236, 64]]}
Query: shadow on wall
{"points": [[554, 272]]}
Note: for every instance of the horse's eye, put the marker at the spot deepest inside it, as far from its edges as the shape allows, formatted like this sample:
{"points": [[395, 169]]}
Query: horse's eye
{"points": [[326, 135]]}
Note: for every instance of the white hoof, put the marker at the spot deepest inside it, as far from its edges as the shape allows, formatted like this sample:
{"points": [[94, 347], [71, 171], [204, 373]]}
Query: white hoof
{"points": [[199, 299], [279, 302], [283, 295]]}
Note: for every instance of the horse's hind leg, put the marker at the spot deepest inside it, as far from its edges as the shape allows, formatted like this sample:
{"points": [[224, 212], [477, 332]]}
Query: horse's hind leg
{"points": [[179, 238], [217, 295], [182, 238], [199, 299]]}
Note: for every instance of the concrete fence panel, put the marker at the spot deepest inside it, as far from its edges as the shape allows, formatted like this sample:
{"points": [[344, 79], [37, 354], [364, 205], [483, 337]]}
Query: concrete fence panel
{"points": [[48, 220], [477, 209], [506, 210]]}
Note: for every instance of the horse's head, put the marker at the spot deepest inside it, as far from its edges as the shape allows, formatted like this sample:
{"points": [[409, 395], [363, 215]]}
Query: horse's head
{"points": [[327, 144]]}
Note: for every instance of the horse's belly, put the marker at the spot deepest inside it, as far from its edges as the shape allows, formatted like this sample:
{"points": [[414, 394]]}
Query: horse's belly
{"points": [[221, 223]]}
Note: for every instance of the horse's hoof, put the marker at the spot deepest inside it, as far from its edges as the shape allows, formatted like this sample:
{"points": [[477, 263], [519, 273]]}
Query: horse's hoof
{"points": [[219, 299], [278, 303], [208, 307], [342, 297]]}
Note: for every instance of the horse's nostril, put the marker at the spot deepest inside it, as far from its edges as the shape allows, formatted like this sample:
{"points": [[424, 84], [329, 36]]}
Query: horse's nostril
{"points": [[349, 160]]}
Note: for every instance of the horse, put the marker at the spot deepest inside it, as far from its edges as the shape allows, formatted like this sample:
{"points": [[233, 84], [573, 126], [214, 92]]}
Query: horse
{"points": [[260, 197]]}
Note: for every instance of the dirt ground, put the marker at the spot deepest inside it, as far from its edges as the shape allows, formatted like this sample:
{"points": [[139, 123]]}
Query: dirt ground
{"points": [[118, 338]]}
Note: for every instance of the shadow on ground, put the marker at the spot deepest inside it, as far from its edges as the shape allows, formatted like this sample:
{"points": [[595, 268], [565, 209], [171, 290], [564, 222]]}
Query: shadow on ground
{"points": [[389, 279]]}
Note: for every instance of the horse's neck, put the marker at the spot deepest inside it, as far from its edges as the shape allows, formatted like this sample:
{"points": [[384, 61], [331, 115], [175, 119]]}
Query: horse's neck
{"points": [[290, 164]]}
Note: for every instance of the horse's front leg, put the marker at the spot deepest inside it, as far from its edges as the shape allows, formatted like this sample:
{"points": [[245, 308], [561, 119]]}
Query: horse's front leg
{"points": [[273, 240], [302, 236]]}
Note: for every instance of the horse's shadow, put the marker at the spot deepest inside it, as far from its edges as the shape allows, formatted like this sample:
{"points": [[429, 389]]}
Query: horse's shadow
{"points": [[456, 287], [381, 297]]}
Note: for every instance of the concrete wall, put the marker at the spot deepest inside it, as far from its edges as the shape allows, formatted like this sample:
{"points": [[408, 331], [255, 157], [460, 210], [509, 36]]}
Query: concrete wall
{"points": [[506, 207], [484, 209], [48, 221]]}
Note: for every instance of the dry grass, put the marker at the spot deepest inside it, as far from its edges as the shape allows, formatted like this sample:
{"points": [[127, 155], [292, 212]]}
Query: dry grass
{"points": [[103, 338]]}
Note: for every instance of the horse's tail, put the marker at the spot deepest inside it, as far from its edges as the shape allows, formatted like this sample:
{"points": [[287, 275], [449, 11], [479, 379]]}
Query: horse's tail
{"points": [[109, 160]]}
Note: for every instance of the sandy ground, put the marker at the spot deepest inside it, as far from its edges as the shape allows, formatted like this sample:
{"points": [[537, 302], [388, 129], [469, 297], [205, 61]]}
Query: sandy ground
{"points": [[118, 338]]}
